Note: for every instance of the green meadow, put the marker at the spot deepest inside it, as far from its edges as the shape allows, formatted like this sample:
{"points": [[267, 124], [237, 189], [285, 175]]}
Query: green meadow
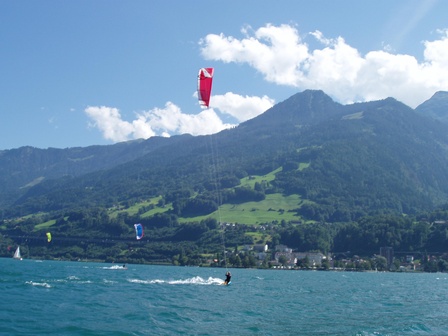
{"points": [[274, 208], [151, 203], [46, 225], [251, 180]]}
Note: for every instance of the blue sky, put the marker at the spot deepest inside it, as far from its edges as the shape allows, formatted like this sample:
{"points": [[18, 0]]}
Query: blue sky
{"points": [[81, 73]]}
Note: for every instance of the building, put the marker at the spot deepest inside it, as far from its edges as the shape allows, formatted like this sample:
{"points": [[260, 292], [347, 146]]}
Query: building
{"points": [[314, 258], [260, 248]]}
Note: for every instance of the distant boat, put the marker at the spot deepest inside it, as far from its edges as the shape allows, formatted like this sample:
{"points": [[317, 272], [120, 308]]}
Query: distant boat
{"points": [[17, 254]]}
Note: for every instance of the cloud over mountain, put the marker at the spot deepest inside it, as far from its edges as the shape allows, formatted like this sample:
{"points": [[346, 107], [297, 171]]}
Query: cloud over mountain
{"points": [[284, 57], [172, 120]]}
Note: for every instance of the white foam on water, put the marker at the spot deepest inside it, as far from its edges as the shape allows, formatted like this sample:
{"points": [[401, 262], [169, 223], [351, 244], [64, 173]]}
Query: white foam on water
{"points": [[115, 267], [139, 281], [189, 281], [109, 281], [38, 284], [197, 281]]}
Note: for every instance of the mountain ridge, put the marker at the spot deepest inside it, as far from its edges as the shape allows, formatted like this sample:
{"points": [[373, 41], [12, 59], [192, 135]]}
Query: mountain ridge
{"points": [[356, 154], [436, 107]]}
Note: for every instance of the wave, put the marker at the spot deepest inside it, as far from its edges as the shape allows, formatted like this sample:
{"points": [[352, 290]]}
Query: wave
{"points": [[106, 281], [73, 279], [189, 281], [38, 284], [115, 267]]}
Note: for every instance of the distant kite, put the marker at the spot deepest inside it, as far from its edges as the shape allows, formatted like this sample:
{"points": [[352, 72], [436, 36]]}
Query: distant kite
{"points": [[48, 237], [205, 79], [138, 231]]}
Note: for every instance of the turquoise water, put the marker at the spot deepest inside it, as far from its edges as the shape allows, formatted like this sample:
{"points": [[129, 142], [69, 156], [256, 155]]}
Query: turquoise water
{"points": [[75, 298]]}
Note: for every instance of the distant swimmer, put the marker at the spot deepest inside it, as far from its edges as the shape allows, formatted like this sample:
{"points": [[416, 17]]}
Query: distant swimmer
{"points": [[228, 277]]}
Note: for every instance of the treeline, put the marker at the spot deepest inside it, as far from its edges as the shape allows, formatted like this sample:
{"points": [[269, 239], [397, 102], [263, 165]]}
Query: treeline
{"points": [[92, 234], [366, 236]]}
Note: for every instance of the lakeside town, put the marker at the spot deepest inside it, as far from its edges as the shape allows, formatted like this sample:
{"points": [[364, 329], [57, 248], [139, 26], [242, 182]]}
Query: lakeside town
{"points": [[386, 260]]}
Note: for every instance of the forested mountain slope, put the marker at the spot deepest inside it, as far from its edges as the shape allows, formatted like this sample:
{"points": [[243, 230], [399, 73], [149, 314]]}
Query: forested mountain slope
{"points": [[25, 167], [347, 161], [436, 107]]}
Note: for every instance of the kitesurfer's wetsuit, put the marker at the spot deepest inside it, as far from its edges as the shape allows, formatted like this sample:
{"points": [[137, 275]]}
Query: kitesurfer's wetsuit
{"points": [[228, 277]]}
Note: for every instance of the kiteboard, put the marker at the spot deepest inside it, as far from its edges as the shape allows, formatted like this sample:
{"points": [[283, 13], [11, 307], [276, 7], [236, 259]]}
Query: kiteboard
{"points": [[227, 284]]}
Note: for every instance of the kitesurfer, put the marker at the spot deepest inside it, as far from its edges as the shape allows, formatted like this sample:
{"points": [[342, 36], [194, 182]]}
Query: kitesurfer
{"points": [[228, 277]]}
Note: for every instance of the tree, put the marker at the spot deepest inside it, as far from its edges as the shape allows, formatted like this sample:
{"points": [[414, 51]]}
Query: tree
{"points": [[249, 261], [380, 263], [283, 260], [303, 263], [442, 265]]}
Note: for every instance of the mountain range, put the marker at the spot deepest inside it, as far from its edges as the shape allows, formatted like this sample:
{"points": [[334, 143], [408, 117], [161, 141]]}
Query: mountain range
{"points": [[344, 161]]}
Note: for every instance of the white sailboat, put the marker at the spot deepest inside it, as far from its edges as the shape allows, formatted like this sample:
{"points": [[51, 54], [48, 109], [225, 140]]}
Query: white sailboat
{"points": [[17, 254]]}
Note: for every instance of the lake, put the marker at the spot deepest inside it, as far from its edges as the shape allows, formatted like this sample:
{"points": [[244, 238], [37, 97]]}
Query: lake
{"points": [[80, 298]]}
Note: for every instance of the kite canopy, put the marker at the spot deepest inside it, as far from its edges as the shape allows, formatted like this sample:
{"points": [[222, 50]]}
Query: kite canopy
{"points": [[138, 231], [205, 79], [48, 237]]}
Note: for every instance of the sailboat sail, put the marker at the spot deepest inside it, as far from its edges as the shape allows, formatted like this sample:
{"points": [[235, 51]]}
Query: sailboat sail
{"points": [[17, 254]]}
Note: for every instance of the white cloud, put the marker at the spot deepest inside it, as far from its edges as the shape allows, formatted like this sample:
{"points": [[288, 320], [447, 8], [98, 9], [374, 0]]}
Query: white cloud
{"points": [[171, 120], [279, 53], [276, 59], [242, 108], [108, 121]]}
